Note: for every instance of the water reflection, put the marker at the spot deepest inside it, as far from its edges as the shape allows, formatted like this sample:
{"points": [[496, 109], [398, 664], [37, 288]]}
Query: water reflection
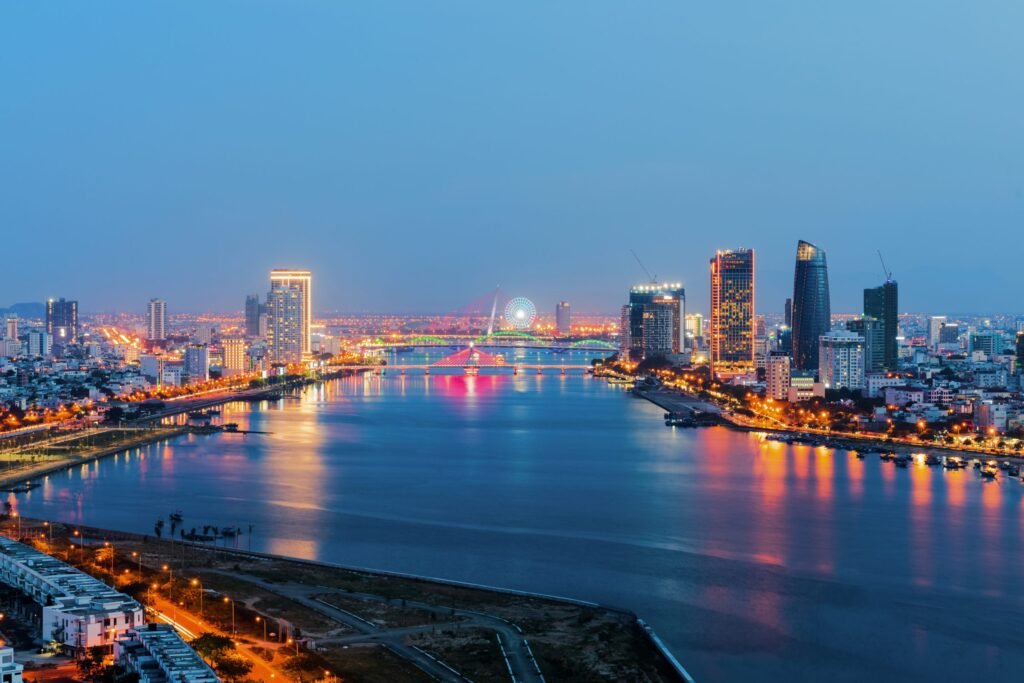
{"points": [[752, 559]]}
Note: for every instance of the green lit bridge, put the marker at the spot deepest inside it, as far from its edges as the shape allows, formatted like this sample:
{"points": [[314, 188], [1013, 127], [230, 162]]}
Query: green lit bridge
{"points": [[499, 340]]}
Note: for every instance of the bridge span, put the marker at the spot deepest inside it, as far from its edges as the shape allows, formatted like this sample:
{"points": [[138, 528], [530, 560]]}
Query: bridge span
{"points": [[515, 368]]}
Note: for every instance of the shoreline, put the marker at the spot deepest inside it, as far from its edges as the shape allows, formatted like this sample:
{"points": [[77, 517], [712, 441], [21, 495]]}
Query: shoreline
{"points": [[675, 401], [644, 629]]}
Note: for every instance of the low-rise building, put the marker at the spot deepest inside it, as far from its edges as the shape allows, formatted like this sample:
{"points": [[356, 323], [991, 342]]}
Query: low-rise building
{"points": [[158, 655], [78, 611], [10, 670]]}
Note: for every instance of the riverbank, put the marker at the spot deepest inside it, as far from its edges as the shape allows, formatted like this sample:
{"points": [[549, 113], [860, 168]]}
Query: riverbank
{"points": [[448, 630], [675, 401], [30, 470]]}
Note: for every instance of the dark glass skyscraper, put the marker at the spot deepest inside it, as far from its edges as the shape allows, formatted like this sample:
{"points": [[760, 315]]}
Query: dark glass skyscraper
{"points": [[883, 303], [812, 312], [62, 321]]}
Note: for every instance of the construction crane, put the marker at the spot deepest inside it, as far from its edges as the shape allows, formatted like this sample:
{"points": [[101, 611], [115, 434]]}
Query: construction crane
{"points": [[888, 274], [654, 278]]}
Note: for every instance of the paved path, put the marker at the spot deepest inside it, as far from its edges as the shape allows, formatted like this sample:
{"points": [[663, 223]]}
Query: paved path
{"points": [[519, 658]]}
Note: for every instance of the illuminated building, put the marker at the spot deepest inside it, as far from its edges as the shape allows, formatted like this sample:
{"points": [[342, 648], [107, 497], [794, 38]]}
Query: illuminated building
{"points": [[563, 324], [882, 303], [236, 354], [731, 342], [811, 311], [155, 653], [62, 321], [156, 320], [652, 321], [803, 386], [949, 333], [289, 307], [842, 360], [776, 371], [1020, 350], [12, 328]]}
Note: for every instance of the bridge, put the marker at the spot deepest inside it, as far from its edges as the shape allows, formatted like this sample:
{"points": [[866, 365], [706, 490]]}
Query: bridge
{"points": [[471, 360], [499, 339]]}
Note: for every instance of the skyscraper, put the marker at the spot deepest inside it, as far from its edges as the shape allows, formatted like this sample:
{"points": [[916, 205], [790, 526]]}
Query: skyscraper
{"points": [[812, 314], [882, 303], [653, 320], [563, 323], [236, 354], [156, 320], [874, 341], [62, 321], [935, 324], [253, 308], [12, 328], [289, 323], [788, 313], [732, 313]]}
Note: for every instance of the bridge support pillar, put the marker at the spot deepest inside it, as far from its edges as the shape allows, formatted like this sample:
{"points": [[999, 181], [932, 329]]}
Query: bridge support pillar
{"points": [[515, 369], [563, 369], [426, 371], [540, 371], [402, 371]]}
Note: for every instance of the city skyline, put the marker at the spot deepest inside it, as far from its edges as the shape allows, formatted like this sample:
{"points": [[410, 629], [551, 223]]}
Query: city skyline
{"points": [[541, 179]]}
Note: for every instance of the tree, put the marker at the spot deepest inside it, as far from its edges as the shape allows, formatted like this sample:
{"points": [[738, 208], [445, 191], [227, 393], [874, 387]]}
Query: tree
{"points": [[210, 645], [91, 665], [231, 667]]}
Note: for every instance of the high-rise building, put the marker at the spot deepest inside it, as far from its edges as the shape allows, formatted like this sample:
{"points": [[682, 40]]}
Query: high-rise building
{"points": [[883, 303], [563, 322], [788, 313], [289, 308], [39, 343], [935, 324], [874, 342], [156, 320], [842, 360], [949, 333], [236, 354], [812, 314], [1020, 351], [653, 320], [197, 363], [731, 343], [11, 333], [253, 309], [62, 321], [776, 373], [989, 342]]}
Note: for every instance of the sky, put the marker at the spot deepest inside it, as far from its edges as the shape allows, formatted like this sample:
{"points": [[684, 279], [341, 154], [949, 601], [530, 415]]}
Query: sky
{"points": [[416, 154]]}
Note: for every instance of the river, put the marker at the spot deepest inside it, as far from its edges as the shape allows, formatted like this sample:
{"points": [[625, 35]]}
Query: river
{"points": [[753, 560]]}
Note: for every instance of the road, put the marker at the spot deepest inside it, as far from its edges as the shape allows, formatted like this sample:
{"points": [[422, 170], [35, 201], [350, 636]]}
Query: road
{"points": [[518, 655], [190, 626]]}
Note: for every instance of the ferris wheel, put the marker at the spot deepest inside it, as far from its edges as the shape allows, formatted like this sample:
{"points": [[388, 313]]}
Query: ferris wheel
{"points": [[520, 313]]}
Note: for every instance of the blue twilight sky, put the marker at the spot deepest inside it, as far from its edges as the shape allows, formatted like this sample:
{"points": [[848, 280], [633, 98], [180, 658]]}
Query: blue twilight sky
{"points": [[415, 154]]}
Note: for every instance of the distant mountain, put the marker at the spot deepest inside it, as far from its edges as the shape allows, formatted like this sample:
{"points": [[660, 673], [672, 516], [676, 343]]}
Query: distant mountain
{"points": [[30, 310]]}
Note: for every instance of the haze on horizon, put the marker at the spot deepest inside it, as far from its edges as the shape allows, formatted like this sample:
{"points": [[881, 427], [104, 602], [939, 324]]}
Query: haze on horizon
{"points": [[413, 155]]}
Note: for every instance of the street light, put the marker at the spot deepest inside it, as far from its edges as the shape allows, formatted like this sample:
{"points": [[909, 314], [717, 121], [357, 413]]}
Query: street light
{"points": [[49, 528], [138, 555], [229, 600], [170, 590], [292, 640], [259, 619], [197, 582]]}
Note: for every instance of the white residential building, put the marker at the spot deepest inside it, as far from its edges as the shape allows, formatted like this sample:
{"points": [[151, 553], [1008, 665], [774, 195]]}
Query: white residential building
{"points": [[158, 655], [841, 360], [78, 611]]}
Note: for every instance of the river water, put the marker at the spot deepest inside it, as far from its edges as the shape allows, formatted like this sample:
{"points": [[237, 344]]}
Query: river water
{"points": [[753, 560]]}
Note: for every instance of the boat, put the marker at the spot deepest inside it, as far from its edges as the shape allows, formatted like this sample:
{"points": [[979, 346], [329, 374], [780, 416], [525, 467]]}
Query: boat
{"points": [[931, 459], [988, 474], [1013, 470], [230, 531], [231, 427], [860, 456], [903, 460], [888, 455], [176, 516]]}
